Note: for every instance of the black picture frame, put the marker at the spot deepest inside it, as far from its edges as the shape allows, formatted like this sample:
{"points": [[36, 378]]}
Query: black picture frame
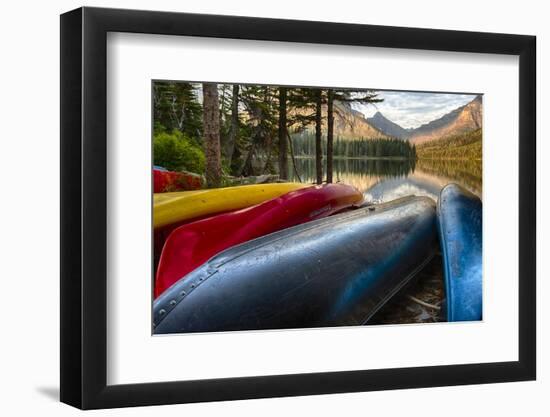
{"points": [[84, 207]]}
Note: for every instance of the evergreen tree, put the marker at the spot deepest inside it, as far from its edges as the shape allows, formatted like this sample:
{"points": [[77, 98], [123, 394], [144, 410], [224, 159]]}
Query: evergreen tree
{"points": [[363, 97], [261, 126], [176, 106], [229, 148], [330, 133], [212, 134], [283, 133], [318, 124]]}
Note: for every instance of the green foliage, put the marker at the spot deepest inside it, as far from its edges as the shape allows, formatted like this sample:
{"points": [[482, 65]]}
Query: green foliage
{"points": [[177, 152], [158, 128], [176, 106], [465, 146]]}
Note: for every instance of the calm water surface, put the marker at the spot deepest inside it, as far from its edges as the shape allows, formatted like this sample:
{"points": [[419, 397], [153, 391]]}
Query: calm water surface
{"points": [[385, 180]]}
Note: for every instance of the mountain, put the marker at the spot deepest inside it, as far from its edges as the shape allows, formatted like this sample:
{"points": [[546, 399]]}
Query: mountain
{"points": [[348, 124], [388, 127], [461, 120], [352, 124]]}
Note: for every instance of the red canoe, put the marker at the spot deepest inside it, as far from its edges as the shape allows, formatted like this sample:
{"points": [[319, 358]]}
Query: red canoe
{"points": [[192, 244], [175, 181]]}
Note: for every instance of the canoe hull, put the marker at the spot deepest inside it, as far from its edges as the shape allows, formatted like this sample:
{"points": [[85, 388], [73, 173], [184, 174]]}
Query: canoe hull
{"points": [[164, 180], [190, 245], [459, 215], [334, 271], [184, 206]]}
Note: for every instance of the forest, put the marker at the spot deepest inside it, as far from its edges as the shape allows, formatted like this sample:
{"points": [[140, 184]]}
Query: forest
{"points": [[239, 130], [467, 146], [304, 145]]}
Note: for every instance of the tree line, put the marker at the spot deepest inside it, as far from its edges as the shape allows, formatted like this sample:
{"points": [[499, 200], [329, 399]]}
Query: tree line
{"points": [[357, 147], [238, 129]]}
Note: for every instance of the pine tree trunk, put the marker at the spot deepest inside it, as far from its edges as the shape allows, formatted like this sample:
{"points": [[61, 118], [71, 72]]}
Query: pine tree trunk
{"points": [[318, 148], [293, 157], [230, 148], [211, 115], [283, 157], [248, 169], [330, 134]]}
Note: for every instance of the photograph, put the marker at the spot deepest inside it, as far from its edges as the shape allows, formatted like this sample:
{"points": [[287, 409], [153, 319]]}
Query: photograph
{"points": [[292, 207], [320, 203]]}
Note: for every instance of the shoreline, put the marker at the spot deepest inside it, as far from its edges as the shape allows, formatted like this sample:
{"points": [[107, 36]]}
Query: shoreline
{"points": [[392, 158], [451, 159], [388, 158]]}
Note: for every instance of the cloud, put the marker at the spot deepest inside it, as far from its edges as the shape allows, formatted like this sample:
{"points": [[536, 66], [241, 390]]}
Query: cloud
{"points": [[412, 109]]}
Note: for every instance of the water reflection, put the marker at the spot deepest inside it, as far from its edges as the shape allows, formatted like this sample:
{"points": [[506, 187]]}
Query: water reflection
{"points": [[384, 180]]}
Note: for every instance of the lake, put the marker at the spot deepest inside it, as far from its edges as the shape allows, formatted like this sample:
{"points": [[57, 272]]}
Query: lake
{"points": [[383, 180]]}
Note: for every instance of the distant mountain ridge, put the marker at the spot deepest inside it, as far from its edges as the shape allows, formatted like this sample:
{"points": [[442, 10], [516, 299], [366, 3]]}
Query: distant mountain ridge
{"points": [[464, 119], [352, 124], [388, 127], [349, 124]]}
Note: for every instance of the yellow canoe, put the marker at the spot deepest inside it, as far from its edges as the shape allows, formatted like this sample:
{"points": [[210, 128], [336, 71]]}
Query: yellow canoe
{"points": [[169, 208]]}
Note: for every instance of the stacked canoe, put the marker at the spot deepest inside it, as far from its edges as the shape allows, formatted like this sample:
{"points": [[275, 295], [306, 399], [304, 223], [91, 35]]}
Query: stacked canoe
{"points": [[287, 255], [173, 209], [192, 244], [334, 271]]}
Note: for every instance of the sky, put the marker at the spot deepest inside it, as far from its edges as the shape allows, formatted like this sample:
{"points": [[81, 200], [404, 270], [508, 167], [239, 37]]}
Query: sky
{"points": [[412, 109]]}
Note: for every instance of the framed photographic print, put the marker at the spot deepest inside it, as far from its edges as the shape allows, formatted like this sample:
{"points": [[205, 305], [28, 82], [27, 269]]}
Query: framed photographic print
{"points": [[256, 208]]}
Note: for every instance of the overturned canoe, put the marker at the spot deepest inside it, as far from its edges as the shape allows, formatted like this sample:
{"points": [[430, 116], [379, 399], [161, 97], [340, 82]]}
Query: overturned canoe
{"points": [[164, 180], [460, 230], [192, 244], [334, 271], [174, 207]]}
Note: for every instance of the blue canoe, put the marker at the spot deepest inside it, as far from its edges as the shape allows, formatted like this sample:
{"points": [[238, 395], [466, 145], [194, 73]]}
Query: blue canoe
{"points": [[459, 215], [336, 271]]}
